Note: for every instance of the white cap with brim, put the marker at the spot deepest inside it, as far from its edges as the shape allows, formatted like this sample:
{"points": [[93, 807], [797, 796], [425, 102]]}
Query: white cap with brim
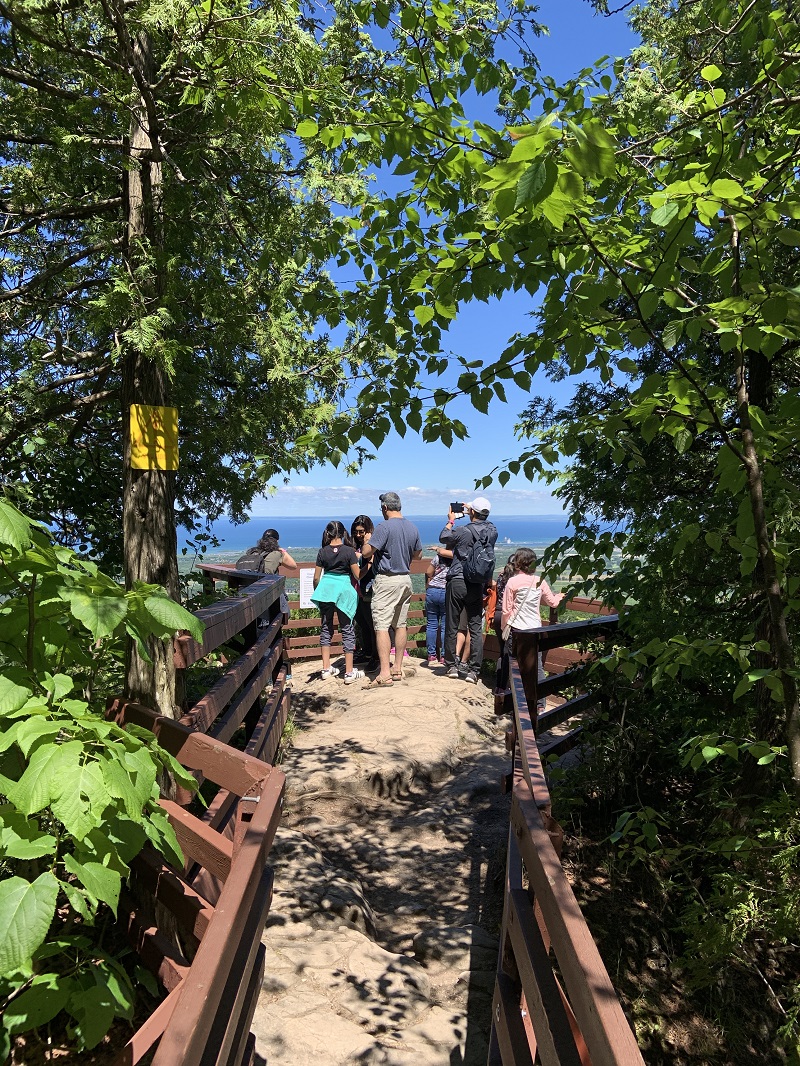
{"points": [[480, 504]]}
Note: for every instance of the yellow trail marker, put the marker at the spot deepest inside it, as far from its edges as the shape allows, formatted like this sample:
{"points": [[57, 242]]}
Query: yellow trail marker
{"points": [[154, 437]]}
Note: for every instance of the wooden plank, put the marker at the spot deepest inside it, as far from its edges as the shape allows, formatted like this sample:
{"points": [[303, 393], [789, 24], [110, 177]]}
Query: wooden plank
{"points": [[199, 841], [507, 1024], [296, 626], [238, 1002], [559, 660], [554, 1040], [530, 760], [157, 953], [207, 709], [222, 764], [192, 912], [589, 988], [572, 632], [148, 1033], [239, 1048], [225, 619], [249, 1056], [563, 713], [202, 992], [266, 737], [587, 606], [561, 745], [556, 683], [224, 729]]}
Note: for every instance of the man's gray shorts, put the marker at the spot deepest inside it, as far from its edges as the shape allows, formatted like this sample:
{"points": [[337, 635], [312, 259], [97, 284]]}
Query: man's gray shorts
{"points": [[391, 595]]}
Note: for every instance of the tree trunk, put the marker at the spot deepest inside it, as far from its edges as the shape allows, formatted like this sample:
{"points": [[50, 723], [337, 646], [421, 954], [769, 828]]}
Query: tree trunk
{"points": [[778, 631], [150, 542], [779, 634]]}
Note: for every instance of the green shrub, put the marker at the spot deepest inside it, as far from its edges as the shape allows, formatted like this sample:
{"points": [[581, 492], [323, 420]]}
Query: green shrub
{"points": [[79, 794]]}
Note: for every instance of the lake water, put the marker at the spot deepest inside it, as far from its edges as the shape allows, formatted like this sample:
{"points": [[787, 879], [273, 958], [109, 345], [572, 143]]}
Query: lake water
{"points": [[534, 531]]}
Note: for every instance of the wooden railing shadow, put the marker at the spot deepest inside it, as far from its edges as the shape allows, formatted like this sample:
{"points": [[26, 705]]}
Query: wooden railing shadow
{"points": [[198, 930], [554, 1002]]}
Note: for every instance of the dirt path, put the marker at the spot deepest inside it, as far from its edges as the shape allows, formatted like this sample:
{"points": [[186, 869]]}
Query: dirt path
{"points": [[382, 938]]}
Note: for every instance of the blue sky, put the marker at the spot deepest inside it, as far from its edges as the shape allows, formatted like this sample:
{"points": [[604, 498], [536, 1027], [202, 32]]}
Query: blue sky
{"points": [[427, 474]]}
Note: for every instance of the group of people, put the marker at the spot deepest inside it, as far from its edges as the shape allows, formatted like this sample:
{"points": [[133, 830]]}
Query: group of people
{"points": [[363, 578]]}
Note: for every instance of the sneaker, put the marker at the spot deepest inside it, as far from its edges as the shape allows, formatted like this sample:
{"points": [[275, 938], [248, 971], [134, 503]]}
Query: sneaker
{"points": [[354, 675], [453, 672], [433, 661], [332, 672], [471, 677], [441, 662]]}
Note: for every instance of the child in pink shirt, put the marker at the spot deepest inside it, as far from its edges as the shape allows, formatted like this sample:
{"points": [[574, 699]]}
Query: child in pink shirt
{"points": [[523, 596]]}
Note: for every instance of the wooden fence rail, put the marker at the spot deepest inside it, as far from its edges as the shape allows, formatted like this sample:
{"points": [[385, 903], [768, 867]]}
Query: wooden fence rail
{"points": [[554, 1001], [212, 970], [299, 644]]}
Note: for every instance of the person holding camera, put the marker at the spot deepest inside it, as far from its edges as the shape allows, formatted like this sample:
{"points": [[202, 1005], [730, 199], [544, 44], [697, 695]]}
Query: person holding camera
{"points": [[470, 571]]}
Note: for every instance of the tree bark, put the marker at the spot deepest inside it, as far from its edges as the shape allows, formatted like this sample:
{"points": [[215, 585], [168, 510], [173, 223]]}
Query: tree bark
{"points": [[150, 542], [780, 643], [779, 634]]}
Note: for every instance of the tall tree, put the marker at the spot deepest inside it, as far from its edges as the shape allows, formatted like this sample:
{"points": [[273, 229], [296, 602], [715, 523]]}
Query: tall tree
{"points": [[176, 177], [158, 237], [649, 210]]}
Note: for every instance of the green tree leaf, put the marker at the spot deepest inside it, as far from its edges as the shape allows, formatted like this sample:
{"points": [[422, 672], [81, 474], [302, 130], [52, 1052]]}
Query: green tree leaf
{"points": [[93, 1010], [38, 1004], [101, 883], [100, 614], [26, 911], [15, 529], [173, 616]]}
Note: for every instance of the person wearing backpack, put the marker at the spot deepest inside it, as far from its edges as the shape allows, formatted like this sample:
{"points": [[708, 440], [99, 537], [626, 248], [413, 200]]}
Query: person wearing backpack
{"points": [[471, 569], [265, 556]]}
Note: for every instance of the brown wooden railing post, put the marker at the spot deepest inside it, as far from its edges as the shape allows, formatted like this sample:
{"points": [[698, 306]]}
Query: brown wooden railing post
{"points": [[553, 1001], [526, 652]]}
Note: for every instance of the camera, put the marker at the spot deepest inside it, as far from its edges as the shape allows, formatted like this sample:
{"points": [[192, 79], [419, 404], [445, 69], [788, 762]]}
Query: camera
{"points": [[458, 509]]}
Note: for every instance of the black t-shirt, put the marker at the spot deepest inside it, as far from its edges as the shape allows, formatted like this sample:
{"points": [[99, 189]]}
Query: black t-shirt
{"points": [[336, 558]]}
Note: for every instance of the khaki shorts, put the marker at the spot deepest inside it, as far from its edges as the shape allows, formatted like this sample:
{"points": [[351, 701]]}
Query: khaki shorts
{"points": [[391, 595]]}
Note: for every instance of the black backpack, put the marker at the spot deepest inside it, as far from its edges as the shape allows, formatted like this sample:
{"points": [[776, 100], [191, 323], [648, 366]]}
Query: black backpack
{"points": [[251, 560], [478, 565]]}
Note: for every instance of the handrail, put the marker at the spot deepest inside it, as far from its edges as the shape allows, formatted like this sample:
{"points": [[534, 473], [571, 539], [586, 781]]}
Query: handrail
{"points": [[532, 1013], [221, 900], [298, 645], [205, 1020]]}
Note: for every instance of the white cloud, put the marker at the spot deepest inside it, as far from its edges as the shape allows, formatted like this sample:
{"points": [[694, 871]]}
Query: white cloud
{"points": [[341, 500]]}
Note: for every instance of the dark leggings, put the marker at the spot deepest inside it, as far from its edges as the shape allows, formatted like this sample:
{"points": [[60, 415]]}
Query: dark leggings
{"points": [[502, 659], [346, 627], [366, 628]]}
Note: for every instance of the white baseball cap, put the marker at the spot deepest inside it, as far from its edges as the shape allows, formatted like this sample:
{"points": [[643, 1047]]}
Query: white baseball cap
{"points": [[480, 503]]}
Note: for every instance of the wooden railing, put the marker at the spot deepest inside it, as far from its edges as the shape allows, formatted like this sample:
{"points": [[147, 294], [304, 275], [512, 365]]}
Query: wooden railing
{"points": [[212, 970], [298, 643], [534, 1015]]}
